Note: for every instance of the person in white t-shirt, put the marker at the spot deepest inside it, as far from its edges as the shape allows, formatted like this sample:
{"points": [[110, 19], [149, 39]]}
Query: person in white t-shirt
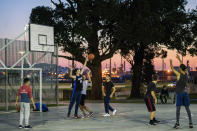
{"points": [[83, 107]]}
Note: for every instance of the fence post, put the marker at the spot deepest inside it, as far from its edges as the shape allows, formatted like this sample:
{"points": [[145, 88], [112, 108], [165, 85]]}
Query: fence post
{"points": [[6, 79], [57, 82]]}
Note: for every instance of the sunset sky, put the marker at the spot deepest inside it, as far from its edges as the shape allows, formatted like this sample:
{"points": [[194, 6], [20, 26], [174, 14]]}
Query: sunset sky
{"points": [[14, 15]]}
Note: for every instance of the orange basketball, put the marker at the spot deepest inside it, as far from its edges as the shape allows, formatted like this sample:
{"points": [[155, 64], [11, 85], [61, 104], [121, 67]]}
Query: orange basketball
{"points": [[91, 56]]}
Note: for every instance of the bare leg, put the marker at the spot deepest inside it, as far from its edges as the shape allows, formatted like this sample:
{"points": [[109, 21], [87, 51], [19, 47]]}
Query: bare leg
{"points": [[87, 109], [82, 109]]}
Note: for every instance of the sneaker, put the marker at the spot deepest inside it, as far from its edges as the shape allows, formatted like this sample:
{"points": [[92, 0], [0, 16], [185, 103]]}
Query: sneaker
{"points": [[176, 126], [191, 125], [28, 127], [20, 126], [152, 123], [90, 114], [114, 112], [68, 115], [84, 116], [156, 121], [106, 115], [76, 116]]}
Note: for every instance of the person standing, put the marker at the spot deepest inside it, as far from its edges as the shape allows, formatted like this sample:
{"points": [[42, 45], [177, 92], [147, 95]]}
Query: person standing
{"points": [[182, 97], [108, 90], [78, 86], [151, 99], [25, 92], [83, 107], [164, 95]]}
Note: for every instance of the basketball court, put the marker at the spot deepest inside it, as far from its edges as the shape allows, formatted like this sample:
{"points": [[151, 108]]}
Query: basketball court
{"points": [[129, 117]]}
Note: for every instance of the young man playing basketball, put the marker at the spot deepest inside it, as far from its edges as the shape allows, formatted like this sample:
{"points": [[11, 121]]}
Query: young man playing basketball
{"points": [[108, 90], [78, 85], [83, 107], [151, 99], [182, 97]]}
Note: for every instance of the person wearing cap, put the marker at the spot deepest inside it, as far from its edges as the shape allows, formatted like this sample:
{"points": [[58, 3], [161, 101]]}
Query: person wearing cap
{"points": [[182, 97]]}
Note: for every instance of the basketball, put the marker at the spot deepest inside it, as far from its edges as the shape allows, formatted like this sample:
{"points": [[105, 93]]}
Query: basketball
{"points": [[91, 56]]}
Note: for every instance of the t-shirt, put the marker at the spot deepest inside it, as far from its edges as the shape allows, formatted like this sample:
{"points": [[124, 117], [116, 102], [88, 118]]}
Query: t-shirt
{"points": [[164, 92], [26, 93], [79, 83], [85, 86], [151, 87], [108, 87], [181, 83]]}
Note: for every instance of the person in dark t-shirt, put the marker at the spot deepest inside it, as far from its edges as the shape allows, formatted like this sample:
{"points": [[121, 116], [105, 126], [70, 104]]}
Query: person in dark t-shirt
{"points": [[77, 88], [108, 91], [151, 99], [164, 95], [182, 97]]}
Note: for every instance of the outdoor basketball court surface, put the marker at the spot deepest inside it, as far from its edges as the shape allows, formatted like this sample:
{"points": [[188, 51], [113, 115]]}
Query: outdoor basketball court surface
{"points": [[129, 117]]}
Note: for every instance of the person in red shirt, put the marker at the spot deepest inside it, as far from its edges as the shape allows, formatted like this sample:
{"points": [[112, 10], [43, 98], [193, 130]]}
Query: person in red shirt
{"points": [[25, 93]]}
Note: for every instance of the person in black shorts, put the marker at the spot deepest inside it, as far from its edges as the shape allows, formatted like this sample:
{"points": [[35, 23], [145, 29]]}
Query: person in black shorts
{"points": [[151, 99], [182, 97], [76, 94], [83, 107]]}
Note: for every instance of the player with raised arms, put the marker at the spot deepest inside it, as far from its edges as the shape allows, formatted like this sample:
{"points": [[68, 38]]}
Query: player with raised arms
{"points": [[78, 86], [182, 97]]}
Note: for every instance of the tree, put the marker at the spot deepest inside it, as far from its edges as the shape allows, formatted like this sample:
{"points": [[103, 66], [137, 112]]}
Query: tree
{"points": [[152, 23], [83, 27]]}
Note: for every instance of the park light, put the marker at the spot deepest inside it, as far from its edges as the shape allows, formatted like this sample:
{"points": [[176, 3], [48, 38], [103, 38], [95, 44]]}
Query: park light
{"points": [[21, 52], [168, 71]]}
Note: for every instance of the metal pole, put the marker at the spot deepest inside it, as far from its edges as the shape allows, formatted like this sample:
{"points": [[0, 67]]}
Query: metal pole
{"points": [[6, 78], [110, 66], [162, 69], [40, 90], [22, 58], [22, 73], [57, 82], [10, 42], [51, 70], [33, 78]]}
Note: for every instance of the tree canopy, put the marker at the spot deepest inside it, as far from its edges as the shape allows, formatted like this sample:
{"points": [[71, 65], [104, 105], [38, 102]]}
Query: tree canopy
{"points": [[139, 28]]}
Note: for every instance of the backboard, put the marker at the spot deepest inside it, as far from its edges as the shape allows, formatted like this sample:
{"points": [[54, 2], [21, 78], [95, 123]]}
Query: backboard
{"points": [[41, 38]]}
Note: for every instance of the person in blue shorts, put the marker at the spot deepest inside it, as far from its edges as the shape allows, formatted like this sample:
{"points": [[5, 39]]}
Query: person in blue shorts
{"points": [[78, 86], [182, 97]]}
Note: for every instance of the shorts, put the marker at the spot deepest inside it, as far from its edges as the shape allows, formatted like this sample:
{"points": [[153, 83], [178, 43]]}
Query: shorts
{"points": [[150, 104], [182, 99], [82, 101]]}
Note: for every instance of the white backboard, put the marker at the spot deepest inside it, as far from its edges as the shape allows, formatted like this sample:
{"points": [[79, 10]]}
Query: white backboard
{"points": [[41, 38]]}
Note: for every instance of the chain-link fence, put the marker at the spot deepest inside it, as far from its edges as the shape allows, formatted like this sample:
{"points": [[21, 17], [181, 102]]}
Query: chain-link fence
{"points": [[10, 80]]}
